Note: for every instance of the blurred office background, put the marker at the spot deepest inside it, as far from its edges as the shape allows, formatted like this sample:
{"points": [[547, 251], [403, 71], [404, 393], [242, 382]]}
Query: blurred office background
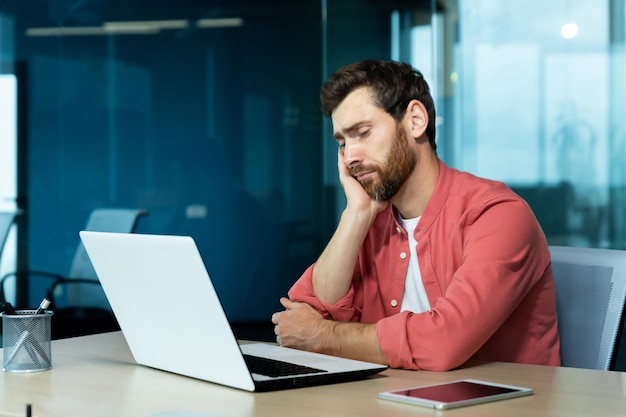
{"points": [[206, 114]]}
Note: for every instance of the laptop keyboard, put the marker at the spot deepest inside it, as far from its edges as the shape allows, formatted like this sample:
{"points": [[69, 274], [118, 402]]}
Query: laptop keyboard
{"points": [[274, 368]]}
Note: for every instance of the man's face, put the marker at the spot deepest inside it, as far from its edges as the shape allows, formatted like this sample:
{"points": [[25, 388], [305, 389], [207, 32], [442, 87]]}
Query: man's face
{"points": [[375, 146], [393, 172]]}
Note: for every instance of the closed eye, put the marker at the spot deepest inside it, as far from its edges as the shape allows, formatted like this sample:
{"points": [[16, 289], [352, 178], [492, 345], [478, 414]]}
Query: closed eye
{"points": [[355, 132], [363, 133]]}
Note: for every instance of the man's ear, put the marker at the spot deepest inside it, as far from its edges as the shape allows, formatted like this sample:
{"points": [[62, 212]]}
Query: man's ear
{"points": [[417, 118]]}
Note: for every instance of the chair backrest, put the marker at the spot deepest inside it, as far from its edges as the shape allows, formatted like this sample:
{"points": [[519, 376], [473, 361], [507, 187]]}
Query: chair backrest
{"points": [[7, 218], [6, 221], [590, 292], [120, 220]]}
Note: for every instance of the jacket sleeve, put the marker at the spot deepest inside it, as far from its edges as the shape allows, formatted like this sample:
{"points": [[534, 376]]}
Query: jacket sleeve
{"points": [[343, 310]]}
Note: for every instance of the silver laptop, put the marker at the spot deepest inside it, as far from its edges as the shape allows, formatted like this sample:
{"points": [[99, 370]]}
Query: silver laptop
{"points": [[172, 319]]}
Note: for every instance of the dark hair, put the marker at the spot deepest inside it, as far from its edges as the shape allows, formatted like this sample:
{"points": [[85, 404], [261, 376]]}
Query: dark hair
{"points": [[394, 85]]}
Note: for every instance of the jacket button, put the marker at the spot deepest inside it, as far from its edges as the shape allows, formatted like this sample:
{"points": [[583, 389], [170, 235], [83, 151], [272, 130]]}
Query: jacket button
{"points": [[402, 255], [394, 303]]}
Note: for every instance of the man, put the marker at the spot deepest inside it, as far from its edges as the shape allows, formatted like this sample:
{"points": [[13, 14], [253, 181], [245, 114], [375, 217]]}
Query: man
{"points": [[428, 266]]}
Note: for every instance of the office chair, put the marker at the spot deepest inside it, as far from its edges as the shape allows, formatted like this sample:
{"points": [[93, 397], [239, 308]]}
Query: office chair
{"points": [[7, 218], [590, 292], [6, 221], [78, 301]]}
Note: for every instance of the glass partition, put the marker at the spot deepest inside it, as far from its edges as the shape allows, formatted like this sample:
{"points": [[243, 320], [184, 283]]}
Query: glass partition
{"points": [[202, 113], [537, 98], [206, 114]]}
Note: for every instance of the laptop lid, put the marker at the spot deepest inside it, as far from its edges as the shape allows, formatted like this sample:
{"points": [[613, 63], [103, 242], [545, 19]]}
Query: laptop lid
{"points": [[172, 319]]}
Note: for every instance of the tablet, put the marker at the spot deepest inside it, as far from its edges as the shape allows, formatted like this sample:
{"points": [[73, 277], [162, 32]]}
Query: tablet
{"points": [[455, 394]]}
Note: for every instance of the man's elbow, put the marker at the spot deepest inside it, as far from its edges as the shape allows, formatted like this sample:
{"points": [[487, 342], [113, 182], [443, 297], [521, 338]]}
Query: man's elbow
{"points": [[442, 365], [438, 361]]}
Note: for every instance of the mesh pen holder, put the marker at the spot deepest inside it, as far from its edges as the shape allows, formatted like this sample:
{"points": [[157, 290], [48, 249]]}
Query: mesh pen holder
{"points": [[26, 341]]}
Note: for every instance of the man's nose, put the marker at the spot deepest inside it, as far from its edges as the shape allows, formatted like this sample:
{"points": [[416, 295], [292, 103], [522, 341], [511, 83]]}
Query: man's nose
{"points": [[351, 154]]}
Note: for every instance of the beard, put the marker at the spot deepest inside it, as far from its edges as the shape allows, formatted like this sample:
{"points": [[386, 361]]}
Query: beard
{"points": [[399, 164]]}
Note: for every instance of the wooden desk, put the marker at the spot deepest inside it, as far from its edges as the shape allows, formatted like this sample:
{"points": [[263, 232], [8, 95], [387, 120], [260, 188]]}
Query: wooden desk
{"points": [[96, 376]]}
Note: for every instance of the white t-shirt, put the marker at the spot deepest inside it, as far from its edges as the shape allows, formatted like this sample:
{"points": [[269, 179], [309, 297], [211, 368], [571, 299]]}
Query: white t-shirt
{"points": [[414, 298]]}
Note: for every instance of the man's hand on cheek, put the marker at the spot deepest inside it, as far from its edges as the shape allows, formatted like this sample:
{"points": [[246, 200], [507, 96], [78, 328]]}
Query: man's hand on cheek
{"points": [[357, 198]]}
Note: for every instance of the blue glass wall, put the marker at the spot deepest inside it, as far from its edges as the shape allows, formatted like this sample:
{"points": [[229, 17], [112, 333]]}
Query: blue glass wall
{"points": [[209, 119], [212, 126]]}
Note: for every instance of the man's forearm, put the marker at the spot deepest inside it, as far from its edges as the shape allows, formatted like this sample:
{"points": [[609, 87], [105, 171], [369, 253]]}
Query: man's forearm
{"points": [[333, 271], [300, 326], [351, 340]]}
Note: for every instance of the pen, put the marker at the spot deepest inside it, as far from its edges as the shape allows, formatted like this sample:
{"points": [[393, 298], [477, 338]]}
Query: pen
{"points": [[42, 307]]}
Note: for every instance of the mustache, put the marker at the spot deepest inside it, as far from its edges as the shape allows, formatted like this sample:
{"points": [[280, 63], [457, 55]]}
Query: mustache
{"points": [[357, 169]]}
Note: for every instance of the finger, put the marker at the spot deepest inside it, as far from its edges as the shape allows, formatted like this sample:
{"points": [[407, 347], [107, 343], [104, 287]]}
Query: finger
{"points": [[286, 302], [275, 318]]}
